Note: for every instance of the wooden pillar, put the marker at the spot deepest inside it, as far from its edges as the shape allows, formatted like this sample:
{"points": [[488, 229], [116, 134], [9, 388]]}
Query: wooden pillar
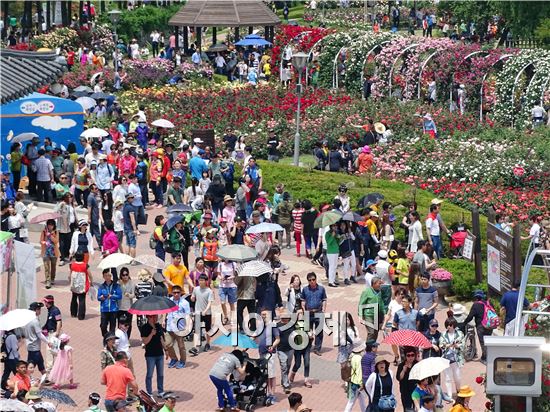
{"points": [[48, 14], [80, 11], [476, 229], [177, 35], [198, 34], [250, 29], [185, 40], [102, 9], [214, 35], [237, 34], [5, 11]]}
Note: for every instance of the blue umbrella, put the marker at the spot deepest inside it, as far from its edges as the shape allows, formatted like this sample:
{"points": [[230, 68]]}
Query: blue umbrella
{"points": [[253, 40], [170, 223], [236, 339]]}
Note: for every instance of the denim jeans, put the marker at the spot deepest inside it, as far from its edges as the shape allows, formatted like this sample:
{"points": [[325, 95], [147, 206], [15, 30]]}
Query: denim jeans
{"points": [[438, 247], [152, 363], [110, 405], [304, 354], [222, 385], [285, 360]]}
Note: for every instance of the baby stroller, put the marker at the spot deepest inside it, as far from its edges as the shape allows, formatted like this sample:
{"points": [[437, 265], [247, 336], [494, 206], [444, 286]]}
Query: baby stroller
{"points": [[457, 242], [147, 403], [253, 389]]}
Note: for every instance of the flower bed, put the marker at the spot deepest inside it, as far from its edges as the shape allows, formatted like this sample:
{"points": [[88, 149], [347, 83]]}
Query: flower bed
{"points": [[147, 72], [63, 36]]}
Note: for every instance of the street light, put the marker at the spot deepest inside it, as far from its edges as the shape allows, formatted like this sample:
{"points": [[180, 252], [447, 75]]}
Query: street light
{"points": [[299, 61], [114, 15]]}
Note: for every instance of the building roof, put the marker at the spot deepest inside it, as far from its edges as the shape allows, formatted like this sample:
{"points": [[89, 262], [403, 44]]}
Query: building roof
{"points": [[224, 13], [23, 72]]}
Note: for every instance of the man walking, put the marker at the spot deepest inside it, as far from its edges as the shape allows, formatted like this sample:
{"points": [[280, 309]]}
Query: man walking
{"points": [[116, 378], [44, 176], [108, 294], [284, 349], [508, 307], [426, 302], [174, 330], [372, 309], [94, 205], [314, 303], [130, 224], [34, 335]]}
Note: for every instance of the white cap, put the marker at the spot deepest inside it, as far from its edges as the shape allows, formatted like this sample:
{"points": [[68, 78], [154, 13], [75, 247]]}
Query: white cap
{"points": [[383, 254]]}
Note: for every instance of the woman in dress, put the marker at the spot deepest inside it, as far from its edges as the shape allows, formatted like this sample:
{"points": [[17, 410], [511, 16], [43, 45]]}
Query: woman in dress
{"points": [[193, 195], [62, 370], [128, 294], [380, 385], [80, 279], [294, 295], [49, 244]]}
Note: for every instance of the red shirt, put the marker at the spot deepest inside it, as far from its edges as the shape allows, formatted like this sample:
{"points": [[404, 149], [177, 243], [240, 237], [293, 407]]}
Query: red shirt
{"points": [[116, 378], [23, 382], [70, 58]]}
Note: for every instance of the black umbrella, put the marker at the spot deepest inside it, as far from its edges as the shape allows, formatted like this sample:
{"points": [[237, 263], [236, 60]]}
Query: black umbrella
{"points": [[57, 396], [352, 217], [153, 305], [98, 96], [369, 199], [170, 223], [179, 208], [80, 94]]}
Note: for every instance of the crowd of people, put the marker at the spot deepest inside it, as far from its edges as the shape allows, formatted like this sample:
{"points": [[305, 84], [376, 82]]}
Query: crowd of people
{"points": [[104, 195]]}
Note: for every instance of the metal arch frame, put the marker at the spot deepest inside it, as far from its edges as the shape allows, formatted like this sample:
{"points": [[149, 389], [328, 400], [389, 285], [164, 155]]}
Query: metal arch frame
{"points": [[390, 83], [519, 73], [372, 50], [288, 44], [424, 64], [468, 56], [504, 56], [544, 88], [334, 65], [535, 75]]}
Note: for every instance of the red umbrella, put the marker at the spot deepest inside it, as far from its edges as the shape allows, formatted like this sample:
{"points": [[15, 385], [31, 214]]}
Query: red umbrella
{"points": [[43, 217], [407, 337]]}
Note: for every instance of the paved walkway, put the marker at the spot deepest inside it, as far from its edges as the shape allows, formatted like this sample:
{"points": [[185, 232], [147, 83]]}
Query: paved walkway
{"points": [[196, 393]]}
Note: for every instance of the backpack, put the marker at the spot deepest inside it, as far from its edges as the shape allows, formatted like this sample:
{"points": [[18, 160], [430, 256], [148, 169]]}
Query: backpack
{"points": [[78, 278], [152, 241], [490, 318], [345, 370]]}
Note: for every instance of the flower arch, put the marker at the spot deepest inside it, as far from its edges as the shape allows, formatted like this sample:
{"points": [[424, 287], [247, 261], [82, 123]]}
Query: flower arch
{"points": [[487, 89], [535, 90], [330, 46], [506, 80], [404, 53]]}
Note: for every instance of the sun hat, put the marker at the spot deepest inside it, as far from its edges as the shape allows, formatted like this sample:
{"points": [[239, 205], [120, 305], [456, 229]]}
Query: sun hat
{"points": [[33, 393], [382, 254], [227, 198], [379, 359], [118, 203], [366, 149], [428, 116], [465, 392], [372, 213], [144, 275], [64, 338], [358, 346], [370, 262], [379, 128], [159, 277], [436, 201]]}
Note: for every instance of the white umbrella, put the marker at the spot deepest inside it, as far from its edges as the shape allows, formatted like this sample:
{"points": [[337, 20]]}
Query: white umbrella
{"points": [[16, 318], [166, 124], [22, 137], [264, 228], [115, 260], [254, 268], [428, 367], [152, 261], [95, 78], [237, 253], [56, 88], [86, 102], [94, 132], [13, 405], [83, 89]]}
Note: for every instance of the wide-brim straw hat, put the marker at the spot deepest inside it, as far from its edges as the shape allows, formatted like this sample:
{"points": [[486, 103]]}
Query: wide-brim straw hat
{"points": [[379, 128], [465, 392]]}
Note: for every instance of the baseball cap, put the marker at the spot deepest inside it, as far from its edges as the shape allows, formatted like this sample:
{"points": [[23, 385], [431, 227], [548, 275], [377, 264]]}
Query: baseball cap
{"points": [[373, 214], [94, 396], [238, 219], [36, 305], [371, 262], [434, 322], [436, 201], [383, 254]]}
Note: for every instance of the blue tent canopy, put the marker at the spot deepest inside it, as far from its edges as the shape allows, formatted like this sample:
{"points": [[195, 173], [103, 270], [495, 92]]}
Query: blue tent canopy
{"points": [[253, 40], [60, 119]]}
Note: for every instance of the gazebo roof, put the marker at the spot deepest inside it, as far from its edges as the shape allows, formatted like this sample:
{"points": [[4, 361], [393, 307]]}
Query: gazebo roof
{"points": [[24, 72], [224, 13]]}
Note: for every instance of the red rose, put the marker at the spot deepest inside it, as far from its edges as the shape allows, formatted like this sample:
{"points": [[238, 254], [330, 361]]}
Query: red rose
{"points": [[489, 405], [480, 380]]}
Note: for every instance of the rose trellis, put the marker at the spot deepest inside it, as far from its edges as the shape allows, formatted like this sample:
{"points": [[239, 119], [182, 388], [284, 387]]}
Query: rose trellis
{"points": [[332, 45], [357, 56], [535, 91], [386, 60], [506, 80]]}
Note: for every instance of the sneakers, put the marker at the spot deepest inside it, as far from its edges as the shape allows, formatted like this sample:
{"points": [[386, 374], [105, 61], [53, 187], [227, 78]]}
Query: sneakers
{"points": [[353, 279], [347, 282], [332, 285], [291, 376], [287, 390], [48, 285], [180, 365], [194, 351], [161, 394], [172, 363], [207, 347]]}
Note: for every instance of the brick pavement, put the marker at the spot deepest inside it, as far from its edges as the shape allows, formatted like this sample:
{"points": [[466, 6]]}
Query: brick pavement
{"points": [[196, 393]]}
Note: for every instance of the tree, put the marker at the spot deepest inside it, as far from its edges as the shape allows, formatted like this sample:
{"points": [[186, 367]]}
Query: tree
{"points": [[522, 17], [542, 33], [479, 12]]}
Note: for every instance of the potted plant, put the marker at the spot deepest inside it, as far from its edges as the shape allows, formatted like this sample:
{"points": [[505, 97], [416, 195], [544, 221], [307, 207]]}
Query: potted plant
{"points": [[441, 280]]}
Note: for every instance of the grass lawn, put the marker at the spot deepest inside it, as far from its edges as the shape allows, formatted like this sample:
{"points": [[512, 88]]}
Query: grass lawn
{"points": [[295, 13], [307, 183]]}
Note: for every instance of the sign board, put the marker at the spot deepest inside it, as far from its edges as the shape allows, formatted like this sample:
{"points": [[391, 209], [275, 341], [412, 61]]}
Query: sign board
{"points": [[207, 136], [468, 248], [500, 259]]}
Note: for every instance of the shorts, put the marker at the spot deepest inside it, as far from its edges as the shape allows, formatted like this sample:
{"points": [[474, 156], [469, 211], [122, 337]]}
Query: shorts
{"points": [[130, 238], [120, 236], [228, 295], [207, 319], [270, 364], [36, 358]]}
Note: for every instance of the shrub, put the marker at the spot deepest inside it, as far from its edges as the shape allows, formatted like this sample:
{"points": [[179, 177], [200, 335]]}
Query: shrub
{"points": [[464, 282]]}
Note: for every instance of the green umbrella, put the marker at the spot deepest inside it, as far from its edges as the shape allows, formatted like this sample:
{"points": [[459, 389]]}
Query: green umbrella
{"points": [[326, 219], [5, 236]]}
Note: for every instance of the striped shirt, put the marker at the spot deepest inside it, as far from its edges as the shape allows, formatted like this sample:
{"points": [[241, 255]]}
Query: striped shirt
{"points": [[297, 218], [43, 169], [143, 289]]}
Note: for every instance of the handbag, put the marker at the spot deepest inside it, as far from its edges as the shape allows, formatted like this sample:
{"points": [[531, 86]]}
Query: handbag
{"points": [[386, 402], [449, 354]]}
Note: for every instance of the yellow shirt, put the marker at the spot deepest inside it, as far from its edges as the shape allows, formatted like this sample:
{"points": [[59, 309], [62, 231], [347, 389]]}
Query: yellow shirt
{"points": [[459, 408], [356, 371], [403, 271], [373, 229], [267, 69], [176, 275]]}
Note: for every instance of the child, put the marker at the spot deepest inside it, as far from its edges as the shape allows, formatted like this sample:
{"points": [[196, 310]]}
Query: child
{"points": [[203, 297], [277, 198], [223, 232], [209, 253], [204, 182], [62, 370], [297, 220], [118, 221]]}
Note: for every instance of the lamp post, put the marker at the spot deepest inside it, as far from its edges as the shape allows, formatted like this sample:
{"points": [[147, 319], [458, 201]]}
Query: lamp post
{"points": [[114, 16], [299, 61]]}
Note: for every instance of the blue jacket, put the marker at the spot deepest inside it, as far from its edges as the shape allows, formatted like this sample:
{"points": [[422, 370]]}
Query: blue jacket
{"points": [[111, 304]]}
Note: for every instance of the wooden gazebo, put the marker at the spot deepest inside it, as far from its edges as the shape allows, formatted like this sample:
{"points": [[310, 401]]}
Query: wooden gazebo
{"points": [[223, 13]]}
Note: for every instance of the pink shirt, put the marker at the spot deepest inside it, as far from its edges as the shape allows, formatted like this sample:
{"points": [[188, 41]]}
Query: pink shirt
{"points": [[110, 242], [172, 41]]}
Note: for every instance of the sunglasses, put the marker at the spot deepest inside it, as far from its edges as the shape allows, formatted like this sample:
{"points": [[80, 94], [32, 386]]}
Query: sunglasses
{"points": [[176, 292], [410, 355], [124, 274], [434, 326], [311, 280]]}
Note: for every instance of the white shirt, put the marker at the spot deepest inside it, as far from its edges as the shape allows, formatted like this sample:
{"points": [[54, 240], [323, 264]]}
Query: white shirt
{"points": [[97, 89], [220, 61], [155, 36], [118, 221], [537, 111], [432, 227], [382, 269], [122, 343], [534, 232], [415, 234]]}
